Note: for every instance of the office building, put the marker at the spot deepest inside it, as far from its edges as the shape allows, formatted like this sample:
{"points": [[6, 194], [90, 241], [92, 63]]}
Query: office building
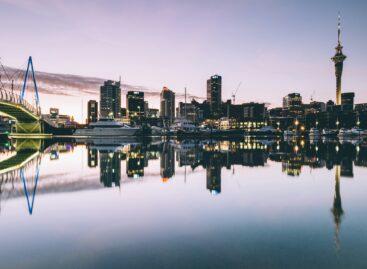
{"points": [[92, 111], [135, 104], [214, 95], [347, 101], [254, 111], [292, 100], [110, 99], [167, 105], [188, 111]]}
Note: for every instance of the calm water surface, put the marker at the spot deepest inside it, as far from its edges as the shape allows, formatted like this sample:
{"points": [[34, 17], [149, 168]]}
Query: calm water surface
{"points": [[207, 204]]}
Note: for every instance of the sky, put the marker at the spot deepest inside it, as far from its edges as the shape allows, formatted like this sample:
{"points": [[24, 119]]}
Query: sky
{"points": [[273, 47]]}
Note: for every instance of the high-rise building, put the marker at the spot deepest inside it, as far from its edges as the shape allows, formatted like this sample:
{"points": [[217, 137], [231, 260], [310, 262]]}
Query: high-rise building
{"points": [[135, 104], [188, 111], [92, 111], [254, 111], [292, 100], [338, 60], [347, 100], [110, 99], [167, 104], [214, 94]]}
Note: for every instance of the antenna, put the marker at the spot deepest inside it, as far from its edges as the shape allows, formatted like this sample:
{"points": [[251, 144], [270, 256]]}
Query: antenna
{"points": [[339, 26]]}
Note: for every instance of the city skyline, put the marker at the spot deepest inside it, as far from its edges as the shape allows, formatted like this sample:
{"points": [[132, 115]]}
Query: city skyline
{"points": [[271, 58]]}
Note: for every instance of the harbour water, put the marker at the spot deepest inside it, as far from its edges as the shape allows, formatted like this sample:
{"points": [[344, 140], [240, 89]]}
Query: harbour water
{"points": [[191, 204]]}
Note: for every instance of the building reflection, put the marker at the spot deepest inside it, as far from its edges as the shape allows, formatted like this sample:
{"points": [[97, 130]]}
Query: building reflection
{"points": [[213, 172], [135, 161], [92, 157], [214, 157], [110, 168], [167, 162]]}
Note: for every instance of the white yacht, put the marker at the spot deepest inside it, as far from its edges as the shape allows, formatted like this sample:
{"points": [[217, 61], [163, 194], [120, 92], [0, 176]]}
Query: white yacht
{"points": [[183, 125], [106, 128]]}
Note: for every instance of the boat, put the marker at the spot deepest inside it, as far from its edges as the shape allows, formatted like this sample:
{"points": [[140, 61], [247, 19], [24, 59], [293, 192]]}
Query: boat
{"points": [[183, 125], [106, 128], [314, 134], [329, 132]]}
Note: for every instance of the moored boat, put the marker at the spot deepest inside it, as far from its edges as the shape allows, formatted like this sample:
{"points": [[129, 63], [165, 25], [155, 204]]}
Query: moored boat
{"points": [[106, 128]]}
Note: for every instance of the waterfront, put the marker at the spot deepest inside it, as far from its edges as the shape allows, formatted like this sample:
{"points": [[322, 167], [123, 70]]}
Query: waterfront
{"points": [[203, 204]]}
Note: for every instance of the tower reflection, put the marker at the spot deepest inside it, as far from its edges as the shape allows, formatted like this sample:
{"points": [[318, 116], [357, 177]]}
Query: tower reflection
{"points": [[337, 209]]}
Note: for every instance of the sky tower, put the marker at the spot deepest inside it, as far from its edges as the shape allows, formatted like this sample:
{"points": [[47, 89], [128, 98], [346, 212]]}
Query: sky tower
{"points": [[338, 60]]}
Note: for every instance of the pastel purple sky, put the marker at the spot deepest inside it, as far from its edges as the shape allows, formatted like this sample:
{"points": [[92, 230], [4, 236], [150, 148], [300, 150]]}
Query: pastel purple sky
{"points": [[273, 46]]}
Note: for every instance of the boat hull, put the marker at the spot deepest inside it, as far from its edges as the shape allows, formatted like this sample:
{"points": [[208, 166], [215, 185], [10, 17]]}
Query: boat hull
{"points": [[106, 132]]}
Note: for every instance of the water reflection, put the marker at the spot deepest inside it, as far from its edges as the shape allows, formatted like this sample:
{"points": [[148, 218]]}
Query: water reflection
{"points": [[19, 156], [22, 163]]}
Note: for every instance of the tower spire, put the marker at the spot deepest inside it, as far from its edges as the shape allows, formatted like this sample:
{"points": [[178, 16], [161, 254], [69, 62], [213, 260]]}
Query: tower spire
{"points": [[339, 30], [338, 60]]}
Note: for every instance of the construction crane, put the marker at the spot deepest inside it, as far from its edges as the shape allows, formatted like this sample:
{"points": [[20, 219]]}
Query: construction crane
{"points": [[312, 95], [235, 92]]}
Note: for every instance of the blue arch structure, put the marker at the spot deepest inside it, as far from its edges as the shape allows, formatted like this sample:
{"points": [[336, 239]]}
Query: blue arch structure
{"points": [[30, 203], [30, 67]]}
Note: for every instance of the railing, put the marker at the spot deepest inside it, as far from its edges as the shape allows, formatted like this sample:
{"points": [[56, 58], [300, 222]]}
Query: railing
{"points": [[10, 97]]}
